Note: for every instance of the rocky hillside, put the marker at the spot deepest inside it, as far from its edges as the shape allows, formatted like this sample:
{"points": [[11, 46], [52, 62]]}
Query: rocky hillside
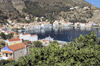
{"points": [[51, 9], [96, 17], [10, 7], [78, 15], [7, 8]]}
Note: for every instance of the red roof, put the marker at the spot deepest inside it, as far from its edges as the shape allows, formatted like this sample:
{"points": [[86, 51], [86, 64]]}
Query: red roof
{"points": [[26, 34], [8, 52], [44, 40], [19, 33], [33, 35], [16, 46], [10, 40]]}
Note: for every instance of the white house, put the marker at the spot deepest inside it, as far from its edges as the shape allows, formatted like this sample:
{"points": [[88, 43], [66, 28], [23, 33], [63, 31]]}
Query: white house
{"points": [[27, 17], [42, 25], [48, 25], [28, 36], [37, 26], [71, 8], [82, 24], [45, 42], [33, 38], [56, 23], [64, 23], [76, 7], [77, 24], [86, 8], [25, 36], [89, 24]]}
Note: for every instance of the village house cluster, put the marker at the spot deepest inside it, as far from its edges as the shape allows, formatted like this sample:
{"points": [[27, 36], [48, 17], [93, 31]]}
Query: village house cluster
{"points": [[15, 48], [62, 23], [77, 7], [28, 26]]}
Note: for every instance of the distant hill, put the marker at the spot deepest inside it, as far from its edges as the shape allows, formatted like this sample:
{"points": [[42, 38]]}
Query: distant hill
{"points": [[48, 8], [10, 7]]}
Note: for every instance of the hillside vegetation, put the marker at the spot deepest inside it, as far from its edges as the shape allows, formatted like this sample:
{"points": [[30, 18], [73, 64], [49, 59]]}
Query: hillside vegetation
{"points": [[51, 9], [40, 9]]}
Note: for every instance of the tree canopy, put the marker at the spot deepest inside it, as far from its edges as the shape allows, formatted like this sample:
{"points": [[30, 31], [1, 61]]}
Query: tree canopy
{"points": [[4, 36]]}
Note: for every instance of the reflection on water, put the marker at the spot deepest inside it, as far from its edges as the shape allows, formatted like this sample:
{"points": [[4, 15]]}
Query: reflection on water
{"points": [[64, 33]]}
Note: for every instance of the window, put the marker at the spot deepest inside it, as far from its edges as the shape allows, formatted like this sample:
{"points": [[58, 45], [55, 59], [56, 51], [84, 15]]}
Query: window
{"points": [[11, 54], [6, 55]]}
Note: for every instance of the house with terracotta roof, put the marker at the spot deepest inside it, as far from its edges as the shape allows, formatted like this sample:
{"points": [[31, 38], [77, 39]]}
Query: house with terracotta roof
{"points": [[29, 37], [14, 51], [25, 36], [45, 42], [33, 38], [13, 41]]}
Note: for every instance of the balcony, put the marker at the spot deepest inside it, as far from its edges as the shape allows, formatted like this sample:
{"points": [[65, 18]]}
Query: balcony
{"points": [[4, 58]]}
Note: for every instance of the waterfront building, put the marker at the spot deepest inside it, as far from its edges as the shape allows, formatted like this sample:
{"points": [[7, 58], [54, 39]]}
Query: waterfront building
{"points": [[33, 38], [82, 24], [43, 26], [28, 36], [56, 23], [77, 24], [25, 36]]}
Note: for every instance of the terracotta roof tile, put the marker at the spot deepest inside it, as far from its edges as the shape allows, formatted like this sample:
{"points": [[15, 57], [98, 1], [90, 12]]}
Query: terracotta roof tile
{"points": [[33, 35], [26, 34], [10, 40], [16, 46], [19, 33], [8, 52], [44, 40]]}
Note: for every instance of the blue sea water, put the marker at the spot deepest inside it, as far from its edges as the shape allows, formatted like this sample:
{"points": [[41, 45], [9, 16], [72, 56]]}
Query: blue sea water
{"points": [[64, 33]]}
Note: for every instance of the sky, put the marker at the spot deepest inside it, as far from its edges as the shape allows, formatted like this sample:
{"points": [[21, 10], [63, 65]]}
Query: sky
{"points": [[95, 2]]}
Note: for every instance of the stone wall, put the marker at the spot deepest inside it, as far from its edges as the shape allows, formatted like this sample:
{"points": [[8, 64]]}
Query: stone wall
{"points": [[22, 52]]}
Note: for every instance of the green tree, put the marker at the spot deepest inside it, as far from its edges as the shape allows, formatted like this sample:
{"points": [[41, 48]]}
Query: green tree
{"points": [[3, 35], [7, 63], [55, 42], [9, 36], [37, 44]]}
